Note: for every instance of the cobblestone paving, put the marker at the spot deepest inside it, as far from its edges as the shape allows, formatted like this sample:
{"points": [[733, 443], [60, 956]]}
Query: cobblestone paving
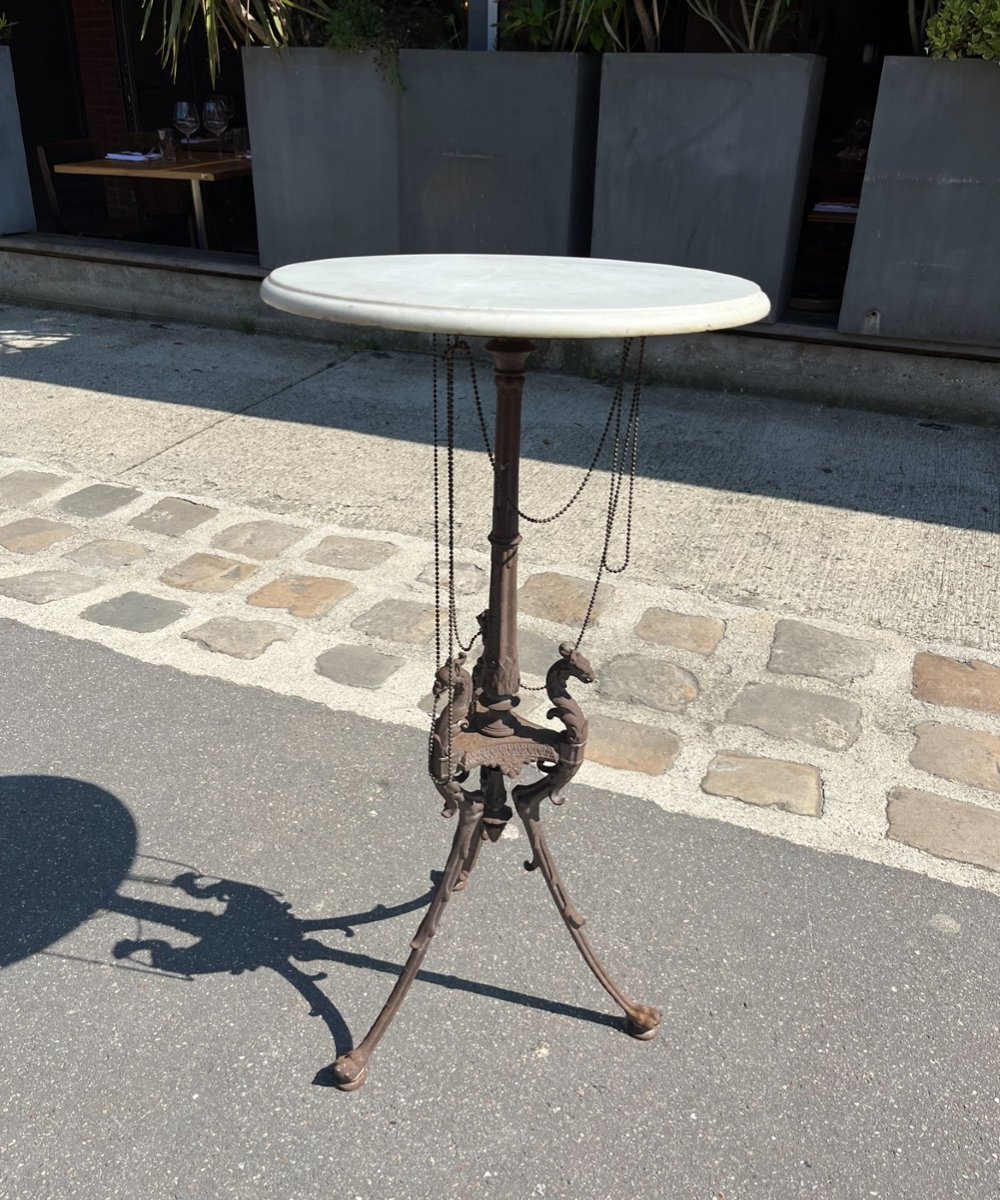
{"points": [[853, 741]]}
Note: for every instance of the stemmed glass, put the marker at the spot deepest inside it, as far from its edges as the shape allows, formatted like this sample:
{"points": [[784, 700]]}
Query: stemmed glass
{"points": [[216, 116], [186, 119]]}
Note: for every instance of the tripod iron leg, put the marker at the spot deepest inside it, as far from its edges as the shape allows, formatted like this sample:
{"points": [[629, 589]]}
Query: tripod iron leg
{"points": [[351, 1070], [641, 1021]]}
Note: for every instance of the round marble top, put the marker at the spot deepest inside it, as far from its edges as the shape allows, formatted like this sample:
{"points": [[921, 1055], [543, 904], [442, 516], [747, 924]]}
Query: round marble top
{"points": [[508, 295]]}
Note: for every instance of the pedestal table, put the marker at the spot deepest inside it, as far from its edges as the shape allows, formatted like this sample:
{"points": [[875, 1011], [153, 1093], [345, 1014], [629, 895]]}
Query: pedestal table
{"points": [[511, 300]]}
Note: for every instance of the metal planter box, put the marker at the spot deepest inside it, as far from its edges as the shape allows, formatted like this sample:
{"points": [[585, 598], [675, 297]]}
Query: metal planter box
{"points": [[925, 261], [703, 159], [324, 133], [497, 151], [17, 213]]}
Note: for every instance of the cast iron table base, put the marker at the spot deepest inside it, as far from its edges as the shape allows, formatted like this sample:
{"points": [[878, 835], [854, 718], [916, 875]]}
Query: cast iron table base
{"points": [[478, 728]]}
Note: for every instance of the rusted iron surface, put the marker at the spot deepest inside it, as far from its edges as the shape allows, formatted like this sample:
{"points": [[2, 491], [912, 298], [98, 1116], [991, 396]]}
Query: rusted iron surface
{"points": [[478, 727]]}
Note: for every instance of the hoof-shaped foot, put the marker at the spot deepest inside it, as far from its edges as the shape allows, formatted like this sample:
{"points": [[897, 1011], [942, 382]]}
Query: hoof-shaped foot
{"points": [[348, 1076], [643, 1023]]}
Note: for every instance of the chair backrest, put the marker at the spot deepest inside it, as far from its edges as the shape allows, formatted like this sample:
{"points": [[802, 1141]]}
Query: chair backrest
{"points": [[73, 192]]}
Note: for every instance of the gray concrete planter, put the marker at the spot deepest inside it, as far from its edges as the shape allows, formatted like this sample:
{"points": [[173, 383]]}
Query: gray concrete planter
{"points": [[324, 132], [497, 152], [703, 160], [17, 213], [925, 261]]}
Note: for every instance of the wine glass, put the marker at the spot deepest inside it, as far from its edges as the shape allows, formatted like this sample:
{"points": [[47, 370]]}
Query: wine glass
{"points": [[216, 115], [186, 119]]}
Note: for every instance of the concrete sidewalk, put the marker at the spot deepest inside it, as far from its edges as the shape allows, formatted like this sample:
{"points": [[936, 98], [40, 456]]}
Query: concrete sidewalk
{"points": [[885, 521]]}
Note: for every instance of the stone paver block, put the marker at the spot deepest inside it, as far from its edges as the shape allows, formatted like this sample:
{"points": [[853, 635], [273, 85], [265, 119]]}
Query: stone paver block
{"points": [[19, 487], [562, 598], [136, 611], [535, 705], [800, 649], [700, 635], [173, 517], [351, 553], [31, 534], [398, 621], [357, 666], [258, 539], [535, 652], [108, 553], [97, 500], [767, 782], [302, 595], [238, 638], [635, 679], [945, 828], [946, 681], [41, 587], [965, 755], [802, 716], [468, 577], [631, 747], [207, 573]]}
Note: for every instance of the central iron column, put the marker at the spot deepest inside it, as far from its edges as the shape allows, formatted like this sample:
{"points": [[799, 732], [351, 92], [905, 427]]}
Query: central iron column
{"points": [[501, 674]]}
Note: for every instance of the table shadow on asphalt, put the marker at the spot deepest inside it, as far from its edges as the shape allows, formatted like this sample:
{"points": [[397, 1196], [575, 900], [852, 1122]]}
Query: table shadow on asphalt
{"points": [[66, 846]]}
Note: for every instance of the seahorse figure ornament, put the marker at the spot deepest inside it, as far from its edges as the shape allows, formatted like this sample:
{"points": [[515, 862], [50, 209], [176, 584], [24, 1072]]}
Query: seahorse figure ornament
{"points": [[557, 755], [454, 679], [571, 664]]}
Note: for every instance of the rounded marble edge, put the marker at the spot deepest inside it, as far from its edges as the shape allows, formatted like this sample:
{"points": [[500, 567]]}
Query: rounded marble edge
{"points": [[552, 323]]}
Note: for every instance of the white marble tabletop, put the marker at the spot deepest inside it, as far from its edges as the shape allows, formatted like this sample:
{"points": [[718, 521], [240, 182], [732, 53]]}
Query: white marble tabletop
{"points": [[508, 295]]}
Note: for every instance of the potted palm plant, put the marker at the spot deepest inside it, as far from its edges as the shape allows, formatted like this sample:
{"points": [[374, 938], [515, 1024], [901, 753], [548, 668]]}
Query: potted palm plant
{"points": [[925, 261], [703, 158], [17, 214]]}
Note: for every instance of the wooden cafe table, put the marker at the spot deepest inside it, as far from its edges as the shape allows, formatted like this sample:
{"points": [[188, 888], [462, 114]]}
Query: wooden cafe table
{"points": [[198, 167], [511, 300]]}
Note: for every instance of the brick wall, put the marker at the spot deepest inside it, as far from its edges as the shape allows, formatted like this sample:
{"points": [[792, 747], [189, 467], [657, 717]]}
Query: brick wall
{"points": [[93, 22], [103, 102]]}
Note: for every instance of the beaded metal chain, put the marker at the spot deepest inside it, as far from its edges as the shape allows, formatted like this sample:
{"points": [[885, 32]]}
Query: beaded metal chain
{"points": [[624, 453], [453, 634]]}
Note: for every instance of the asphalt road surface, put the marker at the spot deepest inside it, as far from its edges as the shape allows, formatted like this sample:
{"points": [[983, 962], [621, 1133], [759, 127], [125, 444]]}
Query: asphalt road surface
{"points": [[192, 876]]}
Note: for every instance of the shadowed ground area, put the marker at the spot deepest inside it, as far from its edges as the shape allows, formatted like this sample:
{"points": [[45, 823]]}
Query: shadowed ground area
{"points": [[64, 848], [830, 1027]]}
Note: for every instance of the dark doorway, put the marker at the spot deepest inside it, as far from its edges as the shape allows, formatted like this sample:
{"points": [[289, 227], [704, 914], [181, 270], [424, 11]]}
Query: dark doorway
{"points": [[49, 100], [148, 89], [854, 36], [149, 92]]}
